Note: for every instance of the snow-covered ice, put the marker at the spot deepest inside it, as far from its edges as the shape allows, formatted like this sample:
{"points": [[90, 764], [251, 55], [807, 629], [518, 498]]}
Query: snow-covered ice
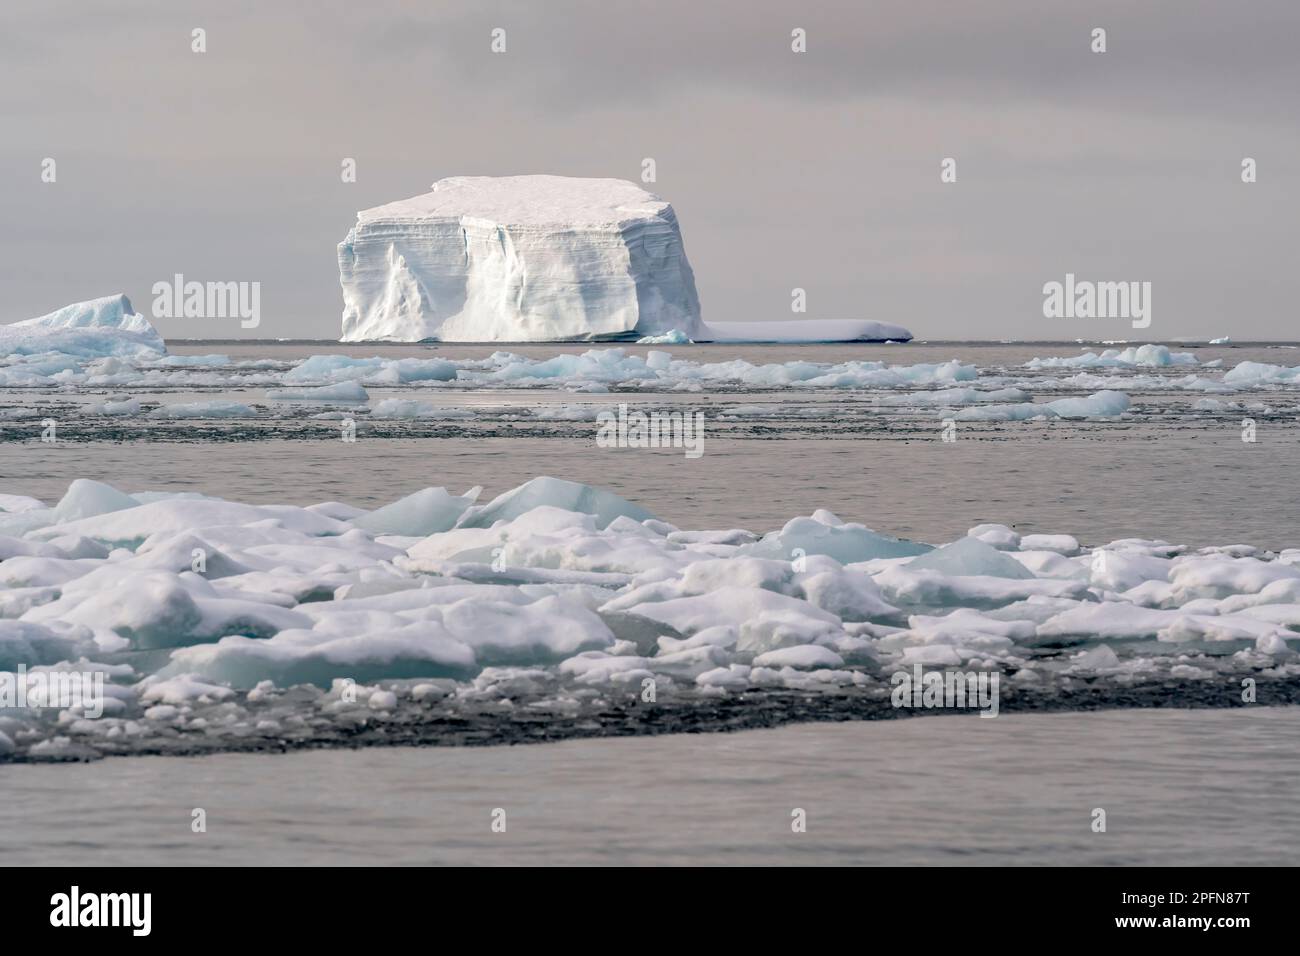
{"points": [[213, 620]]}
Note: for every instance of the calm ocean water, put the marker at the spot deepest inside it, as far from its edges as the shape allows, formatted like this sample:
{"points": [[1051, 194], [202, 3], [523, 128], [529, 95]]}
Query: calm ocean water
{"points": [[1178, 788], [1188, 480], [1182, 787]]}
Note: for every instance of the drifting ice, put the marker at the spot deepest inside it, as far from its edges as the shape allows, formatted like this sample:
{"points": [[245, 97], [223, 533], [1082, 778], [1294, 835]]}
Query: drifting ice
{"points": [[556, 587]]}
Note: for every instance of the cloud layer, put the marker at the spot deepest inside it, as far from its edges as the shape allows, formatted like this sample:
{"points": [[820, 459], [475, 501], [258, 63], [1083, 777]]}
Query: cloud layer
{"points": [[817, 170]]}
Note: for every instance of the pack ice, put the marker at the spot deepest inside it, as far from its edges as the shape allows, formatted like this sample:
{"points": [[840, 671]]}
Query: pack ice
{"points": [[218, 624]]}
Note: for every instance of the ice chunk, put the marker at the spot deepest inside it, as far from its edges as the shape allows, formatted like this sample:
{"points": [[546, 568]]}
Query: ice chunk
{"points": [[1255, 374], [905, 585], [422, 513], [1119, 570], [181, 689], [323, 369], [173, 515], [307, 657], [1099, 405], [767, 620], [13, 504], [518, 259], [849, 595], [163, 610], [803, 656], [343, 392], [1148, 356], [673, 337], [125, 407], [995, 536], [213, 409], [1099, 658], [85, 498], [846, 543], [556, 493], [413, 408], [1060, 543], [732, 677], [970, 556]]}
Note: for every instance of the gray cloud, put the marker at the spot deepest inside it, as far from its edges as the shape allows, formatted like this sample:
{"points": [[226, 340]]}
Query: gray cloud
{"points": [[817, 170]]}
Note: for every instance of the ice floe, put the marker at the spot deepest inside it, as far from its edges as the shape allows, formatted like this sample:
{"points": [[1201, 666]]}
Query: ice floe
{"points": [[211, 619], [1149, 356]]}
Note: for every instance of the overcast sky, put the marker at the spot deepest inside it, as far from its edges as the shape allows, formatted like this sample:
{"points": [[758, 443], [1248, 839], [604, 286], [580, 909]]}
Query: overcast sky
{"points": [[817, 170]]}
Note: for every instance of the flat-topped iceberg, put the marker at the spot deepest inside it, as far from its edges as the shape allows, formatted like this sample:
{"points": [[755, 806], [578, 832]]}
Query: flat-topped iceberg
{"points": [[518, 259], [540, 259]]}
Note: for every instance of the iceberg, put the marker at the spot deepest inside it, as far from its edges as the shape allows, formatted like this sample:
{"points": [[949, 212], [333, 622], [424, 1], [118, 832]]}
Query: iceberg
{"points": [[109, 312], [97, 328], [518, 259], [540, 259]]}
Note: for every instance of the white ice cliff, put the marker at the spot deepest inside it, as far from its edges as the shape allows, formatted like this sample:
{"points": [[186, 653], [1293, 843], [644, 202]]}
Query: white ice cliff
{"points": [[518, 259]]}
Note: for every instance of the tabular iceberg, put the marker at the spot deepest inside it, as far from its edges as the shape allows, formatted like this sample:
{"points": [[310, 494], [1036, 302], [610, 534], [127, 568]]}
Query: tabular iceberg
{"points": [[518, 259], [540, 259]]}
